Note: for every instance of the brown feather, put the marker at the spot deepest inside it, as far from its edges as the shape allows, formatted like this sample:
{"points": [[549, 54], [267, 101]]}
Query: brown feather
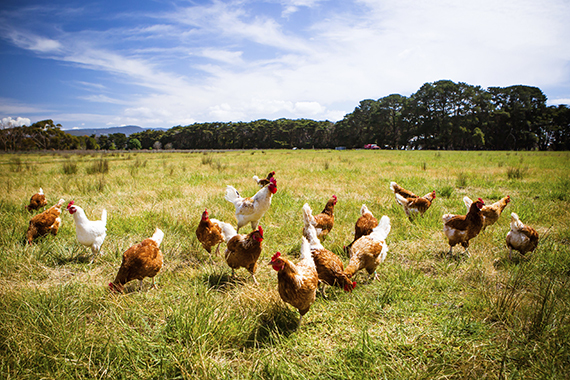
{"points": [[365, 254], [142, 260], [325, 220], [243, 251], [330, 269], [44, 223], [37, 201], [403, 192], [209, 234], [297, 284], [459, 229]]}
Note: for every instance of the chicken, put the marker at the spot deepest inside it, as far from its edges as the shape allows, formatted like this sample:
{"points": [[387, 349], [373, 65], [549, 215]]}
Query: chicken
{"points": [[141, 260], [264, 181], [297, 283], [521, 237], [397, 189], [329, 266], [37, 201], [90, 233], [209, 233], [322, 222], [250, 210], [491, 213], [364, 225], [242, 250], [459, 229], [48, 221], [369, 251], [415, 206]]}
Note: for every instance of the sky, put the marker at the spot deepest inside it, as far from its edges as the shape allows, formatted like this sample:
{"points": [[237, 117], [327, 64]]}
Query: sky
{"points": [[163, 63]]}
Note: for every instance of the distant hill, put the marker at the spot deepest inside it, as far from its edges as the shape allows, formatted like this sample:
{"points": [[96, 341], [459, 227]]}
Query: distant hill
{"points": [[127, 130]]}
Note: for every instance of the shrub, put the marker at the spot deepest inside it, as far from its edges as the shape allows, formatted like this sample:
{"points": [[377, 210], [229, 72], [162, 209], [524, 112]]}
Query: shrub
{"points": [[70, 167], [516, 173], [99, 166]]}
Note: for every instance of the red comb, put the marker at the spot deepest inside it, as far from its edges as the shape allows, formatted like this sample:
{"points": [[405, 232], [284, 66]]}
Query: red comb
{"points": [[260, 231], [335, 198], [70, 204], [276, 256]]}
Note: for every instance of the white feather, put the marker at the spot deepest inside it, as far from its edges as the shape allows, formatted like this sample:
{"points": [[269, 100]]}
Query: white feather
{"points": [[90, 233], [158, 236]]}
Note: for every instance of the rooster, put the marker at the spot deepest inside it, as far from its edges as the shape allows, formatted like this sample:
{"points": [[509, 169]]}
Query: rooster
{"points": [[369, 251], [242, 250], [521, 237], [364, 225], [264, 181], [459, 229], [297, 283], [37, 201], [209, 233], [141, 260], [46, 222], [89, 233], [491, 213], [322, 222], [329, 266], [250, 210]]}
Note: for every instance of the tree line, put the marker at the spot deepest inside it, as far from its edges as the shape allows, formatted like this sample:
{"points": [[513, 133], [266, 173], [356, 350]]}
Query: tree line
{"points": [[440, 115]]}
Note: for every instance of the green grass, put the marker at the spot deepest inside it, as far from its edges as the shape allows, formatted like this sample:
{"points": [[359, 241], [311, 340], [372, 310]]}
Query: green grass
{"points": [[430, 317]]}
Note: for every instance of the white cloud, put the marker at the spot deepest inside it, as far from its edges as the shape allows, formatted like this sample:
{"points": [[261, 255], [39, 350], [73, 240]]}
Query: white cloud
{"points": [[232, 57], [29, 41], [292, 6], [555, 102], [8, 122]]}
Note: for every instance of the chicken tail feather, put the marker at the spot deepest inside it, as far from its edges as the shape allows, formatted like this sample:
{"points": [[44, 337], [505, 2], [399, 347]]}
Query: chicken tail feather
{"points": [[228, 231], [306, 255], [158, 236], [516, 223], [104, 216], [381, 232], [400, 199], [467, 201], [231, 194], [308, 217]]}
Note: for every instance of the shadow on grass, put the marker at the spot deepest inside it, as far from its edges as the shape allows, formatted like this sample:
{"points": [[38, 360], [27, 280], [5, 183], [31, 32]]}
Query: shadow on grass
{"points": [[505, 262], [79, 258], [458, 255], [279, 321], [222, 281]]}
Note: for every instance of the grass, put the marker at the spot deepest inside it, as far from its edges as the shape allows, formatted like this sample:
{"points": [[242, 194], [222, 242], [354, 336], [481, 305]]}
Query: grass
{"points": [[430, 316]]}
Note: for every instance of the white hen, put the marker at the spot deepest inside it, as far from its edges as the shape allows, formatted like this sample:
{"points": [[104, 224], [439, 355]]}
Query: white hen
{"points": [[250, 210], [90, 233]]}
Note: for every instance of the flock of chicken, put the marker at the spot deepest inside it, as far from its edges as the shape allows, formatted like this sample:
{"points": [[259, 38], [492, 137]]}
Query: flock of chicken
{"points": [[297, 283]]}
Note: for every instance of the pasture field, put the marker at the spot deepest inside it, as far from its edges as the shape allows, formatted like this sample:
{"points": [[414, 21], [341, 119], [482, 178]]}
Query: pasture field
{"points": [[430, 317]]}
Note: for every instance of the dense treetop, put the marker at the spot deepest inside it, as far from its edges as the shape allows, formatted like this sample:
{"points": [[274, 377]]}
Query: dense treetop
{"points": [[440, 115]]}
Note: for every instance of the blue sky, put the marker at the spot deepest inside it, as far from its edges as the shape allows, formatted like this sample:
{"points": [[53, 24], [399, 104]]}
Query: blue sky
{"points": [[97, 64]]}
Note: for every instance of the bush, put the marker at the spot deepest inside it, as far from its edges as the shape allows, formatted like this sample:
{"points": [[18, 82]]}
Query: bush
{"points": [[70, 167]]}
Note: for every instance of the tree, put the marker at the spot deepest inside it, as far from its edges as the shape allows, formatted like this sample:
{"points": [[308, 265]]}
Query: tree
{"points": [[134, 144], [518, 113]]}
